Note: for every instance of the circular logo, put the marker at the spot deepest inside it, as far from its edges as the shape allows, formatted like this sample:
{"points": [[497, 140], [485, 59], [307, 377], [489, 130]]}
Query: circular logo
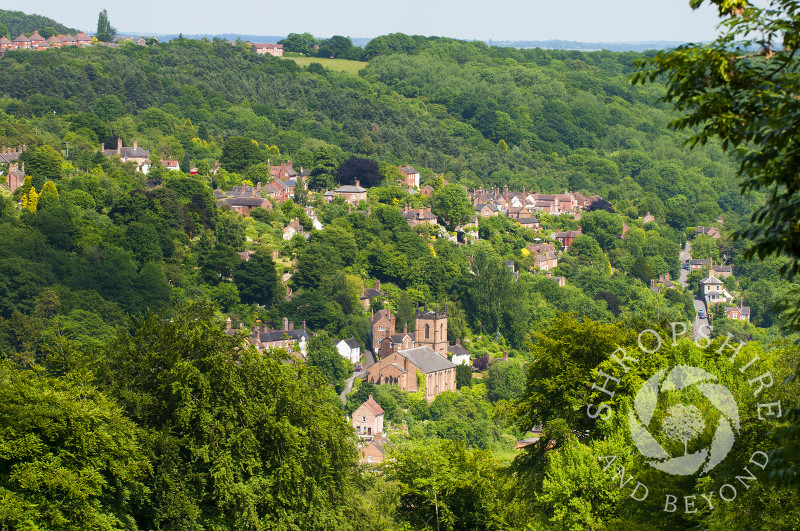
{"points": [[681, 422]]}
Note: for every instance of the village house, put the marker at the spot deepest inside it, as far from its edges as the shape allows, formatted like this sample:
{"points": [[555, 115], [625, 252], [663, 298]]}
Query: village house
{"points": [[15, 176], [395, 342], [279, 190], [427, 191], [709, 231], [349, 349], [411, 176], [293, 228], [698, 264], [382, 327], [368, 418], [371, 293], [130, 154], [284, 172], [352, 194], [245, 205], [458, 354], [486, 210], [528, 223], [712, 289], [401, 368], [276, 50], [722, 271], [171, 165], [374, 451], [561, 281], [567, 237], [738, 313], [418, 216], [648, 218], [287, 338]]}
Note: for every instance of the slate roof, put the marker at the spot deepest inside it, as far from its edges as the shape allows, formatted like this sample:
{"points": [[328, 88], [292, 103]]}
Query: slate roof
{"points": [[711, 280], [382, 444], [352, 343], [744, 310], [408, 169], [700, 261], [245, 201], [528, 221], [350, 189], [5, 158], [277, 335], [427, 359], [723, 269], [457, 350], [377, 316], [371, 292]]}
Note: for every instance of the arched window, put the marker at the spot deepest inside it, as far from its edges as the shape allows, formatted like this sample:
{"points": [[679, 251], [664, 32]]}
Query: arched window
{"points": [[427, 331]]}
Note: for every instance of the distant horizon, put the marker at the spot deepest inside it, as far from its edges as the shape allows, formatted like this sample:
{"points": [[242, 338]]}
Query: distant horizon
{"points": [[583, 21]]}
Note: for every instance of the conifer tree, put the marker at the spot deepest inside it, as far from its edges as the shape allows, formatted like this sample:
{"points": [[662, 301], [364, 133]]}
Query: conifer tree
{"points": [[105, 31]]}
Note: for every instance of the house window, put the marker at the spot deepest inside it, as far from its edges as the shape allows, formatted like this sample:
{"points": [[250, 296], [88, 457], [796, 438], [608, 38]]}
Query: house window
{"points": [[369, 459], [363, 419], [427, 331]]}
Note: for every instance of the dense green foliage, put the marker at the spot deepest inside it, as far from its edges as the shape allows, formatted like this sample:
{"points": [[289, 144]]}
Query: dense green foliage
{"points": [[18, 22]]}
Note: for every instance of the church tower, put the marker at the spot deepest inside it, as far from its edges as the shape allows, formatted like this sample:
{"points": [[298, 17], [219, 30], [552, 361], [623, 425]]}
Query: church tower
{"points": [[431, 330]]}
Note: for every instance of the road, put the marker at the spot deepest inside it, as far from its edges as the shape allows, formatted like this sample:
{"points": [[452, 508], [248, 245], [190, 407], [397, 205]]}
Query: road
{"points": [[700, 324], [686, 254], [349, 385]]}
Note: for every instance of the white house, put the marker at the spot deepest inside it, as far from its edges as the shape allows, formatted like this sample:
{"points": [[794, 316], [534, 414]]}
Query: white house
{"points": [[350, 349], [458, 354]]}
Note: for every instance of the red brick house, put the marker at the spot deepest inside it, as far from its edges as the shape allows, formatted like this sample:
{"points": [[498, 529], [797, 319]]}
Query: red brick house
{"points": [[567, 237], [368, 418], [375, 450], [739, 313], [411, 176], [383, 323]]}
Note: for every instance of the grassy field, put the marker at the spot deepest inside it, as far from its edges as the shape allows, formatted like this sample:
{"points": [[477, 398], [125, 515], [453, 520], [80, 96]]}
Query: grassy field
{"points": [[342, 65]]}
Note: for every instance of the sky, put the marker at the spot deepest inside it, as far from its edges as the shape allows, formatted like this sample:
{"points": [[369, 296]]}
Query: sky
{"points": [[575, 20]]}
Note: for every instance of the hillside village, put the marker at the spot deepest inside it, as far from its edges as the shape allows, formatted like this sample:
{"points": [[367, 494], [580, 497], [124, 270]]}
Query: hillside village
{"points": [[381, 296]]}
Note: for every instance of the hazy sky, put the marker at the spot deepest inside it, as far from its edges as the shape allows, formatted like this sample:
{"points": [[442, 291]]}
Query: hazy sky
{"points": [[578, 20]]}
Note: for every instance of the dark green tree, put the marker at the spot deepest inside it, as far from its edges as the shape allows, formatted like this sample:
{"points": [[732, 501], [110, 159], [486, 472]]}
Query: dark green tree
{"points": [[604, 226], [239, 152], [223, 422], [452, 206], [105, 31], [256, 280], [80, 466], [506, 381], [323, 355], [359, 169], [464, 376]]}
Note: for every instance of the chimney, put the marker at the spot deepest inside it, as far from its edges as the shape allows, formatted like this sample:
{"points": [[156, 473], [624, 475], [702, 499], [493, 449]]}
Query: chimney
{"points": [[378, 285], [135, 144], [652, 282], [255, 329], [358, 183], [291, 325], [119, 145], [285, 324], [228, 324], [304, 324], [711, 272], [458, 342], [405, 328]]}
